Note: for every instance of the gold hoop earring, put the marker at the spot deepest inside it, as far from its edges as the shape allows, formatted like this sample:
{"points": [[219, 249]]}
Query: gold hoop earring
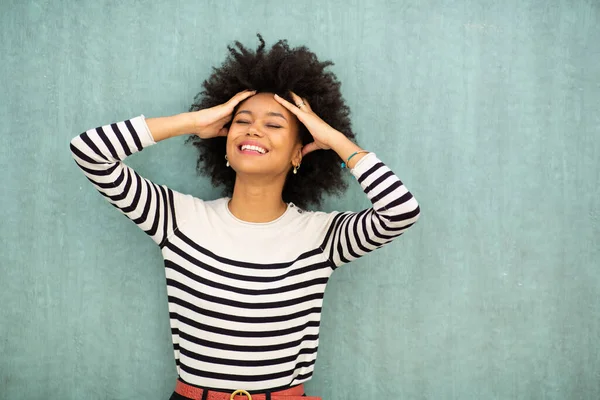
{"points": [[227, 163]]}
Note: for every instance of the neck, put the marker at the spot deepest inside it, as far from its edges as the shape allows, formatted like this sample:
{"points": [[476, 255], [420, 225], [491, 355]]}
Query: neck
{"points": [[257, 200]]}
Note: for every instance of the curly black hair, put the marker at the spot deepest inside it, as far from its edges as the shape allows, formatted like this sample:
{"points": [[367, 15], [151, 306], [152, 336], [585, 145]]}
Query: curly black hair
{"points": [[279, 70]]}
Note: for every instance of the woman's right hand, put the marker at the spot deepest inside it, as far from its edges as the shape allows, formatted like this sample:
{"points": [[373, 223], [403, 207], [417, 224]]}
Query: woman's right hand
{"points": [[211, 122]]}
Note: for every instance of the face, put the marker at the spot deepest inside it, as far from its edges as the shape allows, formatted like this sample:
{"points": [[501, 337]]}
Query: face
{"points": [[263, 137]]}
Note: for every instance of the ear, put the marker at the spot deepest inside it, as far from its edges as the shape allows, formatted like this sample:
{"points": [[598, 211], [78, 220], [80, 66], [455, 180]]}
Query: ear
{"points": [[297, 157]]}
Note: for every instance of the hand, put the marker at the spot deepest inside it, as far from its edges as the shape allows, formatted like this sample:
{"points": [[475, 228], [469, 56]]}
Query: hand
{"points": [[322, 133], [211, 122]]}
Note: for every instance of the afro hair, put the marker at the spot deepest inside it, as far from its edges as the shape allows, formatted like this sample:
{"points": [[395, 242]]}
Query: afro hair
{"points": [[279, 70]]}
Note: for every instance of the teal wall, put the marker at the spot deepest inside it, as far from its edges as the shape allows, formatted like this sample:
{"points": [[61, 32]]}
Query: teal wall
{"points": [[489, 111]]}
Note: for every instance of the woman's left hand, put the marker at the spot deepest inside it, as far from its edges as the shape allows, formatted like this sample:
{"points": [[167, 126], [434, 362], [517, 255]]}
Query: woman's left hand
{"points": [[321, 131]]}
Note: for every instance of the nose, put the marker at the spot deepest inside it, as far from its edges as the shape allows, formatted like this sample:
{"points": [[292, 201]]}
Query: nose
{"points": [[252, 131]]}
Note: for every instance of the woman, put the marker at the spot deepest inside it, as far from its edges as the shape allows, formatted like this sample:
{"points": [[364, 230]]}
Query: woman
{"points": [[246, 273]]}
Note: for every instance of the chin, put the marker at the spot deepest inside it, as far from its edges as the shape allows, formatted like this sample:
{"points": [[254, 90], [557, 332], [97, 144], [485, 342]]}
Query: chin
{"points": [[252, 168], [257, 170]]}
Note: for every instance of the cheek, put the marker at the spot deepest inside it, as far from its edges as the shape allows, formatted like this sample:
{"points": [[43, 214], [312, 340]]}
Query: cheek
{"points": [[285, 141], [234, 133], [230, 144], [234, 128]]}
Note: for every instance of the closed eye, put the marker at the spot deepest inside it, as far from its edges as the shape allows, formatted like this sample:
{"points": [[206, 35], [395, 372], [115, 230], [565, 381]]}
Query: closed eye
{"points": [[244, 122]]}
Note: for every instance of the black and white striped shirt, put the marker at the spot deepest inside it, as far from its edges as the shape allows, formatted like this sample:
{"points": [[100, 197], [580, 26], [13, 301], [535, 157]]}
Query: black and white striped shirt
{"points": [[244, 298]]}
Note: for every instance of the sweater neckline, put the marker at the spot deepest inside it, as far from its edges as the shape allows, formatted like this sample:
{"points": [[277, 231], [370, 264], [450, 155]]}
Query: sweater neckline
{"points": [[236, 220]]}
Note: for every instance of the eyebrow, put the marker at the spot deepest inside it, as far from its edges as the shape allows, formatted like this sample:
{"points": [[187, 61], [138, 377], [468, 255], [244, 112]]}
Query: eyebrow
{"points": [[270, 113]]}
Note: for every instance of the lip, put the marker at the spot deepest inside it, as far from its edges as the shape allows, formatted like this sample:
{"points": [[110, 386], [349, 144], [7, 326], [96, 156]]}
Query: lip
{"points": [[252, 143]]}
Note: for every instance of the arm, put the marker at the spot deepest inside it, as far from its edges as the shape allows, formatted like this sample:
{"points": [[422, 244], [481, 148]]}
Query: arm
{"points": [[99, 153], [162, 128], [352, 235]]}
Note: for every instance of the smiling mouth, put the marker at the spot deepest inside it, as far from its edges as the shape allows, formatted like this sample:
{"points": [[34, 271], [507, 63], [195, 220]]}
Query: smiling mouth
{"points": [[252, 149]]}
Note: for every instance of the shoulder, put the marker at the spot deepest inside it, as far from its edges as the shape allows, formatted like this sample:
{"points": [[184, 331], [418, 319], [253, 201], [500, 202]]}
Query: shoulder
{"points": [[187, 205], [311, 220]]}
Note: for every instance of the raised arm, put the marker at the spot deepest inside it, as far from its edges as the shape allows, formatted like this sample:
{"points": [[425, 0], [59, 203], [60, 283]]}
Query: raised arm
{"points": [[99, 153], [351, 235], [354, 234]]}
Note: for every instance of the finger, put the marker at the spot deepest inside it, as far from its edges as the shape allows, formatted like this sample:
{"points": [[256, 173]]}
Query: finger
{"points": [[291, 107], [241, 96], [297, 99], [309, 148], [300, 100], [306, 103], [225, 120], [244, 95]]}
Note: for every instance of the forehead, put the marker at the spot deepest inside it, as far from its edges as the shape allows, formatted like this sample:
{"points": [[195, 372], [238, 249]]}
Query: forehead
{"points": [[263, 103]]}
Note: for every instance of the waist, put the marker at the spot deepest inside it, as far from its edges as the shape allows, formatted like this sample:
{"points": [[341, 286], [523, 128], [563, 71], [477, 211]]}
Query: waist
{"points": [[200, 393]]}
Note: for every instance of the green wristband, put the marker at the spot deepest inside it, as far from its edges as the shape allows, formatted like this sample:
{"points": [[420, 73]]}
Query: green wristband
{"points": [[345, 164]]}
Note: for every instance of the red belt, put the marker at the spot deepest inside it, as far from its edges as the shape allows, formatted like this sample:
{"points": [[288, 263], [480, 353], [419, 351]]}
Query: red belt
{"points": [[197, 393]]}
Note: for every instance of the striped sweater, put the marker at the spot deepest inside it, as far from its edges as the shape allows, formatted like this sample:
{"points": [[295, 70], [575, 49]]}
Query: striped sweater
{"points": [[244, 298]]}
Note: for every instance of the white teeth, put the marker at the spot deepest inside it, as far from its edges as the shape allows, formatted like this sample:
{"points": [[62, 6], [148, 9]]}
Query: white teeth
{"points": [[253, 148]]}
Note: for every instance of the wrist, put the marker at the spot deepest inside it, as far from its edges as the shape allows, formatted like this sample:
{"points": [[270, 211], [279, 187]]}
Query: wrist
{"points": [[355, 158], [345, 148], [191, 122], [162, 128]]}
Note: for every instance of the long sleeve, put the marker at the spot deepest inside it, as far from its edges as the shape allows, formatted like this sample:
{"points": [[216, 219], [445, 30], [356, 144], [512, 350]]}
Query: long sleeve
{"points": [[354, 234], [99, 153]]}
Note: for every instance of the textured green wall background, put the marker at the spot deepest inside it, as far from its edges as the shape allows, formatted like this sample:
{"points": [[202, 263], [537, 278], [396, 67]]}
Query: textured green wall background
{"points": [[489, 111]]}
